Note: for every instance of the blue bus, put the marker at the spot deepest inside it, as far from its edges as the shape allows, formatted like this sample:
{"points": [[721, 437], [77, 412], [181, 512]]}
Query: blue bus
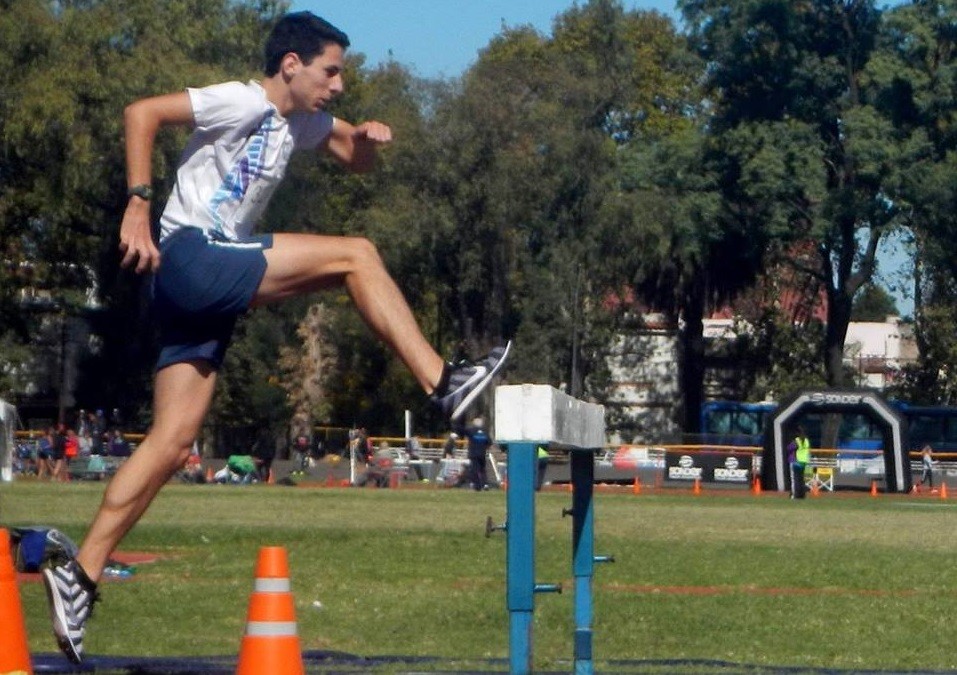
{"points": [[930, 425], [739, 423], [735, 422]]}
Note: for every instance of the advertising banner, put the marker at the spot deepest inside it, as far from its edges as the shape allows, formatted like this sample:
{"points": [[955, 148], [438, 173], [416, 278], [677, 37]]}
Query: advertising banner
{"points": [[709, 467]]}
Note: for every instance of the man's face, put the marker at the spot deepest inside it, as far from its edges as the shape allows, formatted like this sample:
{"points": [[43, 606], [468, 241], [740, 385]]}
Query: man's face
{"points": [[315, 85]]}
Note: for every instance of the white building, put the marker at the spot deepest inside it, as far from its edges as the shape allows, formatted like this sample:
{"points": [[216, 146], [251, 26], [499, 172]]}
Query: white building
{"points": [[877, 351], [645, 394], [645, 399]]}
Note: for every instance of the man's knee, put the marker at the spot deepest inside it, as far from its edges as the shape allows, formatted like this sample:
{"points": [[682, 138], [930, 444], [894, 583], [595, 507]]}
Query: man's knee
{"points": [[365, 254], [174, 445]]}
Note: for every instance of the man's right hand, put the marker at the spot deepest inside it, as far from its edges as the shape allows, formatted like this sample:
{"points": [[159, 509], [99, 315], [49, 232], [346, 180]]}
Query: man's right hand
{"points": [[136, 238]]}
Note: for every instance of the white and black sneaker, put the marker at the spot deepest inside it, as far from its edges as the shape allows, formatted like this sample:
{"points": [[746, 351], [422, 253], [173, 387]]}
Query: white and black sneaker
{"points": [[71, 595], [463, 382]]}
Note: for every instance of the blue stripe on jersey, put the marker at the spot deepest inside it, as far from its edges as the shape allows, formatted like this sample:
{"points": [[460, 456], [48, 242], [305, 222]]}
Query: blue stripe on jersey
{"points": [[240, 177]]}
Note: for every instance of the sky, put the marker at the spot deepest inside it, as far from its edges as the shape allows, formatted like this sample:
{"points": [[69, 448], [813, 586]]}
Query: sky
{"points": [[442, 38]]}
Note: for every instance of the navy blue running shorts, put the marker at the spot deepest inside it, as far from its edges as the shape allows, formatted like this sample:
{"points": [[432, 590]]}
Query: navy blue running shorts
{"points": [[203, 285]]}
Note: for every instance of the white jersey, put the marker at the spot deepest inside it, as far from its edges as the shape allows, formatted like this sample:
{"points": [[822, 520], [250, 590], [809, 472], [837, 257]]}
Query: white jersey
{"points": [[235, 159]]}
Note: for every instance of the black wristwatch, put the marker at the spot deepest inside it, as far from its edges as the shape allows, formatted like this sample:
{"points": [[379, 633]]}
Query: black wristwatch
{"points": [[142, 191]]}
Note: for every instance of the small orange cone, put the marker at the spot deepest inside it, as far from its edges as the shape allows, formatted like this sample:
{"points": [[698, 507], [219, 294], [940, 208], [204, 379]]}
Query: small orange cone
{"points": [[697, 486], [14, 654], [943, 490], [815, 489], [873, 488], [272, 478], [636, 487], [505, 484], [209, 474], [271, 642]]}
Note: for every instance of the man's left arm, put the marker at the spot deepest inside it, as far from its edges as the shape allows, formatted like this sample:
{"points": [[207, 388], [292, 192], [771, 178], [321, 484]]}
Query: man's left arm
{"points": [[356, 146]]}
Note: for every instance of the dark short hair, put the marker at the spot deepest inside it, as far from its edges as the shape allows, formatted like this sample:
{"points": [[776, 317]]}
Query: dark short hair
{"points": [[303, 34]]}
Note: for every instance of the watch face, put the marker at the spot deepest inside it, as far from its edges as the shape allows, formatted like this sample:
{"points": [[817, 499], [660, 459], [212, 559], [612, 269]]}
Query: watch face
{"points": [[141, 191]]}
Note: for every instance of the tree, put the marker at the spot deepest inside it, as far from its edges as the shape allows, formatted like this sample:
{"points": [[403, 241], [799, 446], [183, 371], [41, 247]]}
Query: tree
{"points": [[915, 85], [873, 303], [803, 146], [67, 69]]}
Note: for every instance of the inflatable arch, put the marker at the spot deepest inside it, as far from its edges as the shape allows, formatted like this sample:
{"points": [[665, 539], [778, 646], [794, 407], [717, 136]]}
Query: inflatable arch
{"points": [[775, 473]]}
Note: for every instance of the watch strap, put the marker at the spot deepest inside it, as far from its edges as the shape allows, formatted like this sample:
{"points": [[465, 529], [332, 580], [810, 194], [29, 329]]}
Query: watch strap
{"points": [[143, 191]]}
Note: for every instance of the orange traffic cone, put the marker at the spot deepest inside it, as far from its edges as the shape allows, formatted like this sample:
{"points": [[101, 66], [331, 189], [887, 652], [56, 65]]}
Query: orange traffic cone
{"points": [[873, 488], [636, 487], [943, 490], [210, 477], [14, 654], [271, 642], [815, 489], [697, 486], [271, 480]]}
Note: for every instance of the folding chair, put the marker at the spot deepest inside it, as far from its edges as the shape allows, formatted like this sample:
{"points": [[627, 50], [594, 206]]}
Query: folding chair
{"points": [[823, 478]]}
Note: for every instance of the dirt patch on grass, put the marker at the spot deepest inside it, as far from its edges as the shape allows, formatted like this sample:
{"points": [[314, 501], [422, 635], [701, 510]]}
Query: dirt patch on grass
{"points": [[651, 589]]}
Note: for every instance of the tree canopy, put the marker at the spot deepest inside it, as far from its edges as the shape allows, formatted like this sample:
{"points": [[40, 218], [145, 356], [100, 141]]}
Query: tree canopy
{"points": [[565, 184]]}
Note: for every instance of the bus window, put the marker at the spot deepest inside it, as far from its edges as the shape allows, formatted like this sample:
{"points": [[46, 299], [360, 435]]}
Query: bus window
{"points": [[748, 423], [718, 422], [926, 429]]}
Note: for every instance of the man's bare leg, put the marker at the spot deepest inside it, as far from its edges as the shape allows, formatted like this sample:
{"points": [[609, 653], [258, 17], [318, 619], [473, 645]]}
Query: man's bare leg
{"points": [[181, 397], [302, 263]]}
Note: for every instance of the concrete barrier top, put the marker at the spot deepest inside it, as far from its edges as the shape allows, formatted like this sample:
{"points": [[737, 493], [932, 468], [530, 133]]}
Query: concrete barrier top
{"points": [[540, 413]]}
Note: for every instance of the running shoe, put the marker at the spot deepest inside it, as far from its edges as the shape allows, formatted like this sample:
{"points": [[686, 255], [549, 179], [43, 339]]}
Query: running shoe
{"points": [[463, 382], [71, 597]]}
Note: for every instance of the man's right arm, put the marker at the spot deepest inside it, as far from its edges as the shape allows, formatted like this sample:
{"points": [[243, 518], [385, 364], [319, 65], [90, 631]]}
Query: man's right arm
{"points": [[142, 120]]}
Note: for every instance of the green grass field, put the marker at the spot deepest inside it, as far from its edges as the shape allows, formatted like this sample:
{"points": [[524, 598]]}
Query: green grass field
{"points": [[844, 582]]}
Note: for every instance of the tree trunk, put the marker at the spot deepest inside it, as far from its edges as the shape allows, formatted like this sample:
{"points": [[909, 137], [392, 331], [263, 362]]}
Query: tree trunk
{"points": [[691, 356], [838, 317]]}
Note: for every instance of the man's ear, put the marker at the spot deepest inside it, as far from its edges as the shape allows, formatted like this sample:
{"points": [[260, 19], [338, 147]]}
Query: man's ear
{"points": [[290, 64]]}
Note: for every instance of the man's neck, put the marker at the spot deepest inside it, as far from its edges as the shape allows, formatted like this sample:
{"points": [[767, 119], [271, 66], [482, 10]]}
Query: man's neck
{"points": [[277, 93]]}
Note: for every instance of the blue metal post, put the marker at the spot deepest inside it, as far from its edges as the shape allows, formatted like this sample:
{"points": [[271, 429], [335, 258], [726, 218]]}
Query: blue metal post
{"points": [[520, 554], [583, 561]]}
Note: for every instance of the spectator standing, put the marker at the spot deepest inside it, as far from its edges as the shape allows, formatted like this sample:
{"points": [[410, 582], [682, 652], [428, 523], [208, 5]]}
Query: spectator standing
{"points": [[71, 450], [927, 468], [86, 444], [300, 452], [119, 446], [542, 467], [478, 446], [58, 453], [82, 423], [99, 433], [799, 456], [45, 454], [413, 446]]}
